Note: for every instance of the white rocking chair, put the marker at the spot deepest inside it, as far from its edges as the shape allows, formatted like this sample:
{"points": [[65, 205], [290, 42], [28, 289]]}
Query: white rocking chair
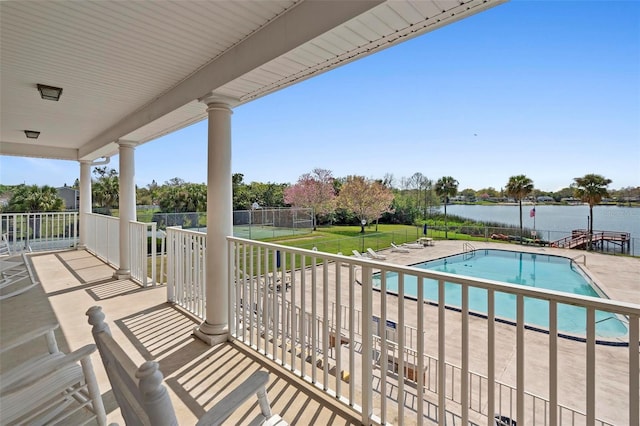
{"points": [[142, 397], [16, 276]]}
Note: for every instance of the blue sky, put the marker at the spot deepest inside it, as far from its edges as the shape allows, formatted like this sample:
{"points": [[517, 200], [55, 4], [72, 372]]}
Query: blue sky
{"points": [[549, 89]]}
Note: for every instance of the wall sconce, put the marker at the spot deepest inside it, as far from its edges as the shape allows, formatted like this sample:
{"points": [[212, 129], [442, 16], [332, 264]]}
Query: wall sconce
{"points": [[49, 93], [32, 134]]}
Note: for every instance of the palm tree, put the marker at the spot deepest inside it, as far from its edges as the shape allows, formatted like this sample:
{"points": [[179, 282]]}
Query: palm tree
{"points": [[590, 189], [446, 187], [106, 188], [33, 198], [519, 187]]}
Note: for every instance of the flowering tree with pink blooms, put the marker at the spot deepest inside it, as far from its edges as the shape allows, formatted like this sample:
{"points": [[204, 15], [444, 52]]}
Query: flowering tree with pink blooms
{"points": [[313, 190], [365, 198]]}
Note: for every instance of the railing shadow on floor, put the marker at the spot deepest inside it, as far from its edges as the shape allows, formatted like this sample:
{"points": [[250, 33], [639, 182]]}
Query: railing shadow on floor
{"points": [[200, 375]]}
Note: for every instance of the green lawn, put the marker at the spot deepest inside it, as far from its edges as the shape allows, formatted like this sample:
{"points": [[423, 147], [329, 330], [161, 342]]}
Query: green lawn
{"points": [[345, 239]]}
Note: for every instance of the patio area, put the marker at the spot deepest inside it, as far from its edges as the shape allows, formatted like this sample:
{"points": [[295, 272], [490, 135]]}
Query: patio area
{"points": [[147, 327]]}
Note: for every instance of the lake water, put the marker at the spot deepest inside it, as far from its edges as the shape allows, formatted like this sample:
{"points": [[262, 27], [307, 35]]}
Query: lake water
{"points": [[553, 222]]}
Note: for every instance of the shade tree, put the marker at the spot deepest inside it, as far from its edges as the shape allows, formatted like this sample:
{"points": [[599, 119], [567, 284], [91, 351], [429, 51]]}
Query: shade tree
{"points": [[315, 190], [366, 199]]}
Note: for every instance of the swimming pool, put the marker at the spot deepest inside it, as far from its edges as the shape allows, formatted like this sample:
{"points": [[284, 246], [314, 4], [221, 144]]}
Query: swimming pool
{"points": [[529, 269]]}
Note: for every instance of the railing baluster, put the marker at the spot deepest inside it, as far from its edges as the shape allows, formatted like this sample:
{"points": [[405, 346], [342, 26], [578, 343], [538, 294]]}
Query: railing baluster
{"points": [[275, 320], [553, 363], [294, 334], [401, 348], [239, 279], [491, 358], [303, 315], [154, 253], [314, 329], [634, 374], [464, 378], [262, 272], [367, 346], [352, 319], [253, 302], [420, 342], [441, 353], [383, 356], [325, 324], [591, 366], [520, 359], [337, 341]]}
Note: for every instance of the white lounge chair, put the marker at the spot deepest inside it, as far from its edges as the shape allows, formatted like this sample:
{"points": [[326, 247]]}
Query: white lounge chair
{"points": [[375, 255], [359, 255], [397, 249], [413, 246], [142, 397]]}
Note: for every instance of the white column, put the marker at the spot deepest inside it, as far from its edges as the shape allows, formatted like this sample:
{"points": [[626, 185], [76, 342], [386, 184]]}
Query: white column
{"points": [[85, 201], [126, 205], [215, 328]]}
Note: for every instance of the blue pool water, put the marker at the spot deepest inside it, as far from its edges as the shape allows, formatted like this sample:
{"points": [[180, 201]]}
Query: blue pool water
{"points": [[529, 269]]}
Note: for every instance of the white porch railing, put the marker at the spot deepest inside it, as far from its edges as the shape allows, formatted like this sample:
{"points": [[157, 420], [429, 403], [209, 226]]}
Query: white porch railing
{"points": [[186, 251], [103, 240], [262, 318], [283, 304], [103, 237], [142, 238], [40, 231], [477, 382]]}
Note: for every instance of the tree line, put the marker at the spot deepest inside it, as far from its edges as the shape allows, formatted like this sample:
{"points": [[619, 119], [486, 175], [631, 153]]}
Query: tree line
{"points": [[336, 200]]}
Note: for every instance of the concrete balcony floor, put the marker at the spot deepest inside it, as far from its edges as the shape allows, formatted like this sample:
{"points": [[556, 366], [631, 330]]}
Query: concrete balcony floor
{"points": [[196, 375]]}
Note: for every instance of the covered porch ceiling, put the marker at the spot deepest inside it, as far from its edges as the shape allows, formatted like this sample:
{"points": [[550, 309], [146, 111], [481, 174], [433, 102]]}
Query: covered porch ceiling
{"points": [[134, 70]]}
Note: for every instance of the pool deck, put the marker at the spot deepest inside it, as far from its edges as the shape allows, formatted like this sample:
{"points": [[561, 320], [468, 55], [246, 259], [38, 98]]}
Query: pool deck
{"points": [[617, 276]]}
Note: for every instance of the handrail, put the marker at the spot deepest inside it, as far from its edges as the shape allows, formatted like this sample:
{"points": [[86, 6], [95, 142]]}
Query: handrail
{"points": [[584, 259], [581, 236], [294, 327], [466, 247]]}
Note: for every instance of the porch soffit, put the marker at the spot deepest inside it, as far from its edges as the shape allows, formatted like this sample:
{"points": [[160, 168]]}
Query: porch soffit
{"points": [[134, 70]]}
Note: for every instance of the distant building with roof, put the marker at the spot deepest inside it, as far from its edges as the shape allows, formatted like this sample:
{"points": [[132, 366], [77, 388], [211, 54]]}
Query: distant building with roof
{"points": [[70, 196], [544, 199]]}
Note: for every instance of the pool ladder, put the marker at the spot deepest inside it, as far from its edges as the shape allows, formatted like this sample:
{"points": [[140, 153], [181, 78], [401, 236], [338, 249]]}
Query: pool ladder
{"points": [[584, 259], [468, 250]]}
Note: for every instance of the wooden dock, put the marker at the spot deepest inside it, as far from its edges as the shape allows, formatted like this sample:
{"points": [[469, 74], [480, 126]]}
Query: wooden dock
{"points": [[598, 241]]}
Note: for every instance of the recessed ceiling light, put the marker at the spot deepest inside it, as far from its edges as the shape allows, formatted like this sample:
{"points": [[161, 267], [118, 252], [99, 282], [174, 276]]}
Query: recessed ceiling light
{"points": [[32, 134], [49, 92]]}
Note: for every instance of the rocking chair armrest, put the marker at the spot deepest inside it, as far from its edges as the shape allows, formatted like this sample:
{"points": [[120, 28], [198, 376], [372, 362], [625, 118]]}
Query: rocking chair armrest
{"points": [[226, 406], [31, 335], [36, 369]]}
